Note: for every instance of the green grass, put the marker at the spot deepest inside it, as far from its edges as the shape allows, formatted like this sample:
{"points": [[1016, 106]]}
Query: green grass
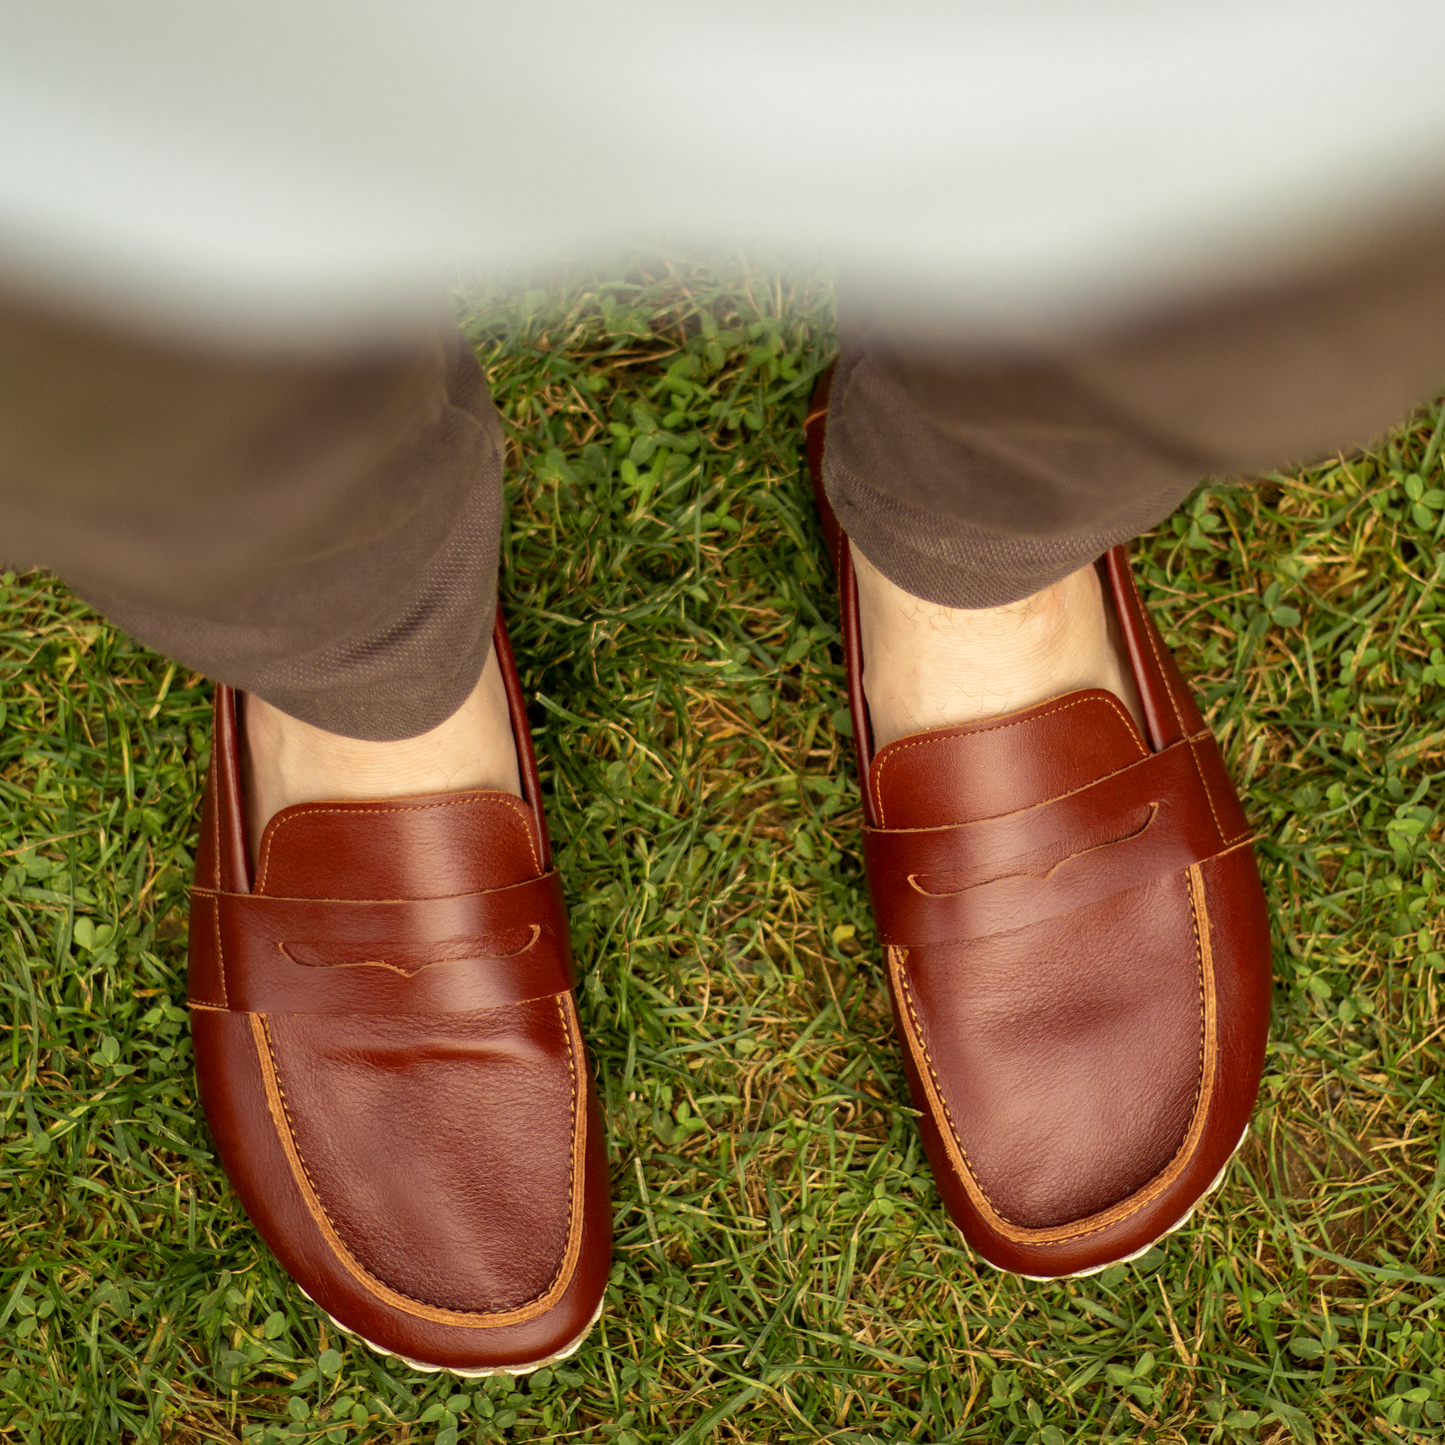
{"points": [[784, 1271]]}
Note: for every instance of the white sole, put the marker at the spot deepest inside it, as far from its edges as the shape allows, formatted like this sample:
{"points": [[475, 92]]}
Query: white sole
{"points": [[565, 1352], [1141, 1252]]}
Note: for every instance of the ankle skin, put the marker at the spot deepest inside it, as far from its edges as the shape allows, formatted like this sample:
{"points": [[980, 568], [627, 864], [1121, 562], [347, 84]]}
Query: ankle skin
{"points": [[286, 761], [928, 666]]}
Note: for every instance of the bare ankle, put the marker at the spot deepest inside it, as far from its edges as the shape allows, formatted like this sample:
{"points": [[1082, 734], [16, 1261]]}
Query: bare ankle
{"points": [[927, 666], [286, 761]]}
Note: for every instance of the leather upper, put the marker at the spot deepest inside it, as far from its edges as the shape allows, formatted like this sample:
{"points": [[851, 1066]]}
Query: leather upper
{"points": [[338, 923], [1053, 809], [390, 1058], [1077, 947]]}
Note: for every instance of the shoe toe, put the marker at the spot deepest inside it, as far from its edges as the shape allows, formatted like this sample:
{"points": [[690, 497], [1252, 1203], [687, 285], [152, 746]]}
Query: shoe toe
{"points": [[1084, 1083], [1071, 1082], [439, 1154]]}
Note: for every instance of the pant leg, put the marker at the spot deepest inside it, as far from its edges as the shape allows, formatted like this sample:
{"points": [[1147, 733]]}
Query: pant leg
{"points": [[973, 480], [320, 531]]}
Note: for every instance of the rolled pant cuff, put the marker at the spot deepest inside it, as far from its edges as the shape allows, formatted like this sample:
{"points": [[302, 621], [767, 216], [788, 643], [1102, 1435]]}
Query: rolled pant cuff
{"points": [[955, 565], [391, 711], [971, 483]]}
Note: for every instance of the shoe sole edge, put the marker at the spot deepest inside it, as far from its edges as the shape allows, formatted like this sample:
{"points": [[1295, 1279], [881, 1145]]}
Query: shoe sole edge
{"points": [[1143, 1249], [482, 1373]]}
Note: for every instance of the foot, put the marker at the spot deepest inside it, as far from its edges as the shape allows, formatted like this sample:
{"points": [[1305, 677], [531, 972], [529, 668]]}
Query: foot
{"points": [[287, 761], [928, 666], [387, 1044]]}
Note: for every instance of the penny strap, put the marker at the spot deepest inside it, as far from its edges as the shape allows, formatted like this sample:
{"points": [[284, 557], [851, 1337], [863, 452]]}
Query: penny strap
{"points": [[1159, 816], [393, 956]]}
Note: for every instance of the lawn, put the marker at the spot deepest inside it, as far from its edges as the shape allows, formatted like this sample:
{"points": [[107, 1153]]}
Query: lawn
{"points": [[784, 1270]]}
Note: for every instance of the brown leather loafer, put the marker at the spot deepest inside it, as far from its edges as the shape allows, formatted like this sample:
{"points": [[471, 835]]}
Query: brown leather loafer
{"points": [[1077, 946], [390, 1061]]}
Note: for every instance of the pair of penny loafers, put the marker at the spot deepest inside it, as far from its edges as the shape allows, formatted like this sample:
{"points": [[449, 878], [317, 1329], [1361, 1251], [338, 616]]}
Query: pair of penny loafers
{"points": [[389, 1055]]}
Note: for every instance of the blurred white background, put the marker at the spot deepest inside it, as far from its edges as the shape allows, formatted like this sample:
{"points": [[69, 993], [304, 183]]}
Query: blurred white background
{"points": [[293, 172]]}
